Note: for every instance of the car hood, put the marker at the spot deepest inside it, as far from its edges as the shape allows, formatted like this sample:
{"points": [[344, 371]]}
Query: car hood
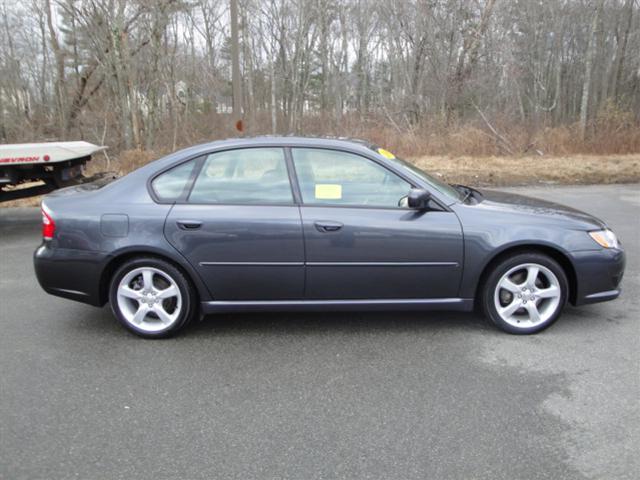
{"points": [[515, 203]]}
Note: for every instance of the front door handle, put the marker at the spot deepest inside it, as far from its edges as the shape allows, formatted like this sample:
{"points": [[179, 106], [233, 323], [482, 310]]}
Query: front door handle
{"points": [[189, 224], [328, 226]]}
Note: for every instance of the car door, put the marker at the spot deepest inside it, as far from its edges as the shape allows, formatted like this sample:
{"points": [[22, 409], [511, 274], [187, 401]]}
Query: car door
{"points": [[239, 227], [360, 243]]}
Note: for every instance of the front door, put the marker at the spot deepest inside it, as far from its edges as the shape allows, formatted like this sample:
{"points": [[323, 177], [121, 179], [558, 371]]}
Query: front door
{"points": [[360, 243], [239, 227]]}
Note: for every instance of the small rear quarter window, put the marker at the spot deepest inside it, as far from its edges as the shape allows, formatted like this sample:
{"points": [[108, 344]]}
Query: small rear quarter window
{"points": [[172, 184]]}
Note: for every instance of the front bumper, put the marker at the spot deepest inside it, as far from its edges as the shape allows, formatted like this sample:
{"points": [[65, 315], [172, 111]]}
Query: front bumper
{"points": [[70, 273], [599, 274]]}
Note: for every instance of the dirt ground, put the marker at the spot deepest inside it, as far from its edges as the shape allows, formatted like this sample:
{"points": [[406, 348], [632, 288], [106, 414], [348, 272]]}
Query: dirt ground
{"points": [[511, 171]]}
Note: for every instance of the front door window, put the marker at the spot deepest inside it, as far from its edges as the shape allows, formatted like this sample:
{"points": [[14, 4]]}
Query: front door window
{"points": [[329, 177]]}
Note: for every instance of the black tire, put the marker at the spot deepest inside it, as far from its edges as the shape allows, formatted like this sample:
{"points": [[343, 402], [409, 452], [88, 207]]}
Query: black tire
{"points": [[187, 302], [488, 291]]}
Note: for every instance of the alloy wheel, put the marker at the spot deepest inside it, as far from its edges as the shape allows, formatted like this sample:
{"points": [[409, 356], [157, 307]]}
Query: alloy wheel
{"points": [[149, 299], [527, 295]]}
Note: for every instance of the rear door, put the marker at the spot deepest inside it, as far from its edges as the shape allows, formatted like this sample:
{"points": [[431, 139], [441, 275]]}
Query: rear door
{"points": [[239, 226], [361, 243]]}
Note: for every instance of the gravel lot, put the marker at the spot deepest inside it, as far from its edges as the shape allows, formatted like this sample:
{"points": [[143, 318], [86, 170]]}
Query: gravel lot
{"points": [[305, 396]]}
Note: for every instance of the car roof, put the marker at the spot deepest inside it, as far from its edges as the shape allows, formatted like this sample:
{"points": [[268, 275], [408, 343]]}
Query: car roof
{"points": [[353, 145], [294, 139], [284, 140]]}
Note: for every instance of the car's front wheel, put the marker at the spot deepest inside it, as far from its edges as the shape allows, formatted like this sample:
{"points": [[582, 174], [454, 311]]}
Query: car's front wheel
{"points": [[151, 297], [525, 293]]}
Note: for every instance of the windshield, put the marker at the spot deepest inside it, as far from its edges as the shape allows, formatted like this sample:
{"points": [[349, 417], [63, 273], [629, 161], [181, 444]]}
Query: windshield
{"points": [[438, 185]]}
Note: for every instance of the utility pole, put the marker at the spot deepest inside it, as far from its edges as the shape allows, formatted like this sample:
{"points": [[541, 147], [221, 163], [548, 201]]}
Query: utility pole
{"points": [[235, 69]]}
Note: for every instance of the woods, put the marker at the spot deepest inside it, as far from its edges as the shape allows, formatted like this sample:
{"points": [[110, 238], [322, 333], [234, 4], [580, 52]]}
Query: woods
{"points": [[423, 76]]}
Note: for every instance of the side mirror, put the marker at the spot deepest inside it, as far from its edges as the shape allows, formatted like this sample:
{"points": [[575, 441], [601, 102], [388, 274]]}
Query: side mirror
{"points": [[418, 199]]}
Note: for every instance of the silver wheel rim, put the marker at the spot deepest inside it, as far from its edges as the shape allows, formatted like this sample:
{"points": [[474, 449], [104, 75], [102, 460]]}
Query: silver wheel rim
{"points": [[149, 299], [527, 295]]}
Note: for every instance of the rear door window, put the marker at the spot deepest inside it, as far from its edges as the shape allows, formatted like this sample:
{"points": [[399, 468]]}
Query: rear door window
{"points": [[250, 176], [171, 185]]}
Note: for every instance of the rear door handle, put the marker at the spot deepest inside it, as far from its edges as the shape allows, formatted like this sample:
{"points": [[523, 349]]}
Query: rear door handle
{"points": [[189, 224], [328, 226]]}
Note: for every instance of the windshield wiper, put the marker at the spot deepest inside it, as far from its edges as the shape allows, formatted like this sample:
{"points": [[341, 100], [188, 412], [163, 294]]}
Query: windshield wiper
{"points": [[466, 191]]}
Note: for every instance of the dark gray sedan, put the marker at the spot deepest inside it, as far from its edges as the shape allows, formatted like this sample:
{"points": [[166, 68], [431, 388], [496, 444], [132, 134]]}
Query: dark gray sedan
{"points": [[301, 223]]}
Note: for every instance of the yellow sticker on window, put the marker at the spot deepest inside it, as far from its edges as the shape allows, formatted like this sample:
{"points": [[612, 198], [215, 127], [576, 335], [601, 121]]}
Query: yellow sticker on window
{"points": [[325, 191], [386, 153]]}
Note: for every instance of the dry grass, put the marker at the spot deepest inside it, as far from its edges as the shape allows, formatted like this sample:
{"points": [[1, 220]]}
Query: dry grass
{"points": [[471, 152], [481, 171], [612, 131], [506, 171], [476, 141]]}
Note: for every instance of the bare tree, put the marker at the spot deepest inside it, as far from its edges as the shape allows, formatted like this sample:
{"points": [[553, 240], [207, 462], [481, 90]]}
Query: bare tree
{"points": [[159, 74]]}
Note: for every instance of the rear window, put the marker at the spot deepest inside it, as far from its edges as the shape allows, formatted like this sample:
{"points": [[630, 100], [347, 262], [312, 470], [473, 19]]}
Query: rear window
{"points": [[172, 184]]}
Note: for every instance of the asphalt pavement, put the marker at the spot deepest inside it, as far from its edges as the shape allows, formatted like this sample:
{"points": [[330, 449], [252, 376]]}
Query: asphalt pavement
{"points": [[320, 396]]}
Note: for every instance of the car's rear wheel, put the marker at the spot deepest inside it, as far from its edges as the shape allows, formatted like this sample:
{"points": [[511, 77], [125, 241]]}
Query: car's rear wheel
{"points": [[151, 297], [525, 293]]}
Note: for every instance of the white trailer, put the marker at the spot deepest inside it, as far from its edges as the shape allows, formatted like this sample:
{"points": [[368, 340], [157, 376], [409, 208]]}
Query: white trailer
{"points": [[57, 164]]}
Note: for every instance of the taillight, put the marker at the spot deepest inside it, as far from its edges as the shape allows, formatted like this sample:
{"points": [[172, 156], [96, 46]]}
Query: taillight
{"points": [[48, 225]]}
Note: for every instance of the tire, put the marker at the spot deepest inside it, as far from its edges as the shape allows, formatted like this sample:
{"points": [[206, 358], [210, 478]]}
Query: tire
{"points": [[151, 298], [525, 293]]}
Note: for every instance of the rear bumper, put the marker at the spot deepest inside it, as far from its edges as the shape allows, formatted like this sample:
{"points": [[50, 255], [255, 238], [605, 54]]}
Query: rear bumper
{"points": [[69, 273], [599, 274]]}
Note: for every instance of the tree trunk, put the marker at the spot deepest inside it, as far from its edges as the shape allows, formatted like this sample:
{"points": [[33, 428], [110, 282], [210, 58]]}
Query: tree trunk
{"points": [[236, 80], [130, 92], [61, 99], [467, 59], [588, 71], [627, 14]]}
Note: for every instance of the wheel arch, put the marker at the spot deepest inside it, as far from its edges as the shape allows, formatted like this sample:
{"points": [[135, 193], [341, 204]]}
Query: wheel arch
{"points": [[553, 252], [120, 257]]}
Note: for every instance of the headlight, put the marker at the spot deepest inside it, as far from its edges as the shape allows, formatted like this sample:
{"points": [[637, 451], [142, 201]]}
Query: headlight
{"points": [[605, 238]]}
